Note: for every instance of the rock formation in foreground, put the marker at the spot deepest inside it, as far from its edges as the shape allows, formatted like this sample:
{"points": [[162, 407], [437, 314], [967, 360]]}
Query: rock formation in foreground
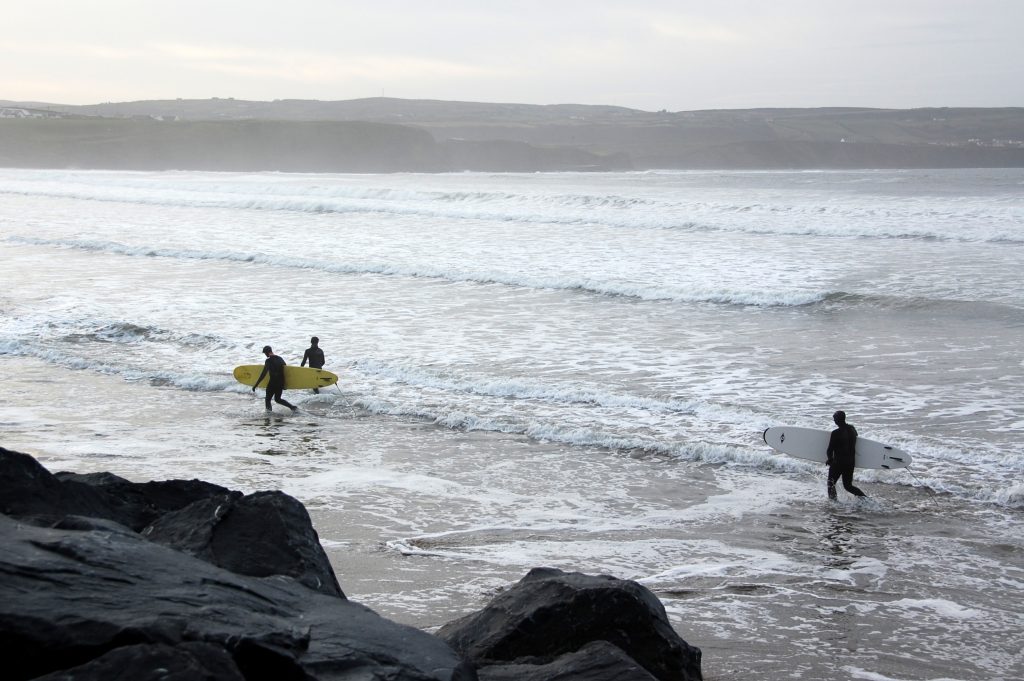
{"points": [[102, 578], [550, 615]]}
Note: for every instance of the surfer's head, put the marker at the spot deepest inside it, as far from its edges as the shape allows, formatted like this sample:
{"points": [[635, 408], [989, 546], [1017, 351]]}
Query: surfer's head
{"points": [[839, 417], [267, 350], [314, 340]]}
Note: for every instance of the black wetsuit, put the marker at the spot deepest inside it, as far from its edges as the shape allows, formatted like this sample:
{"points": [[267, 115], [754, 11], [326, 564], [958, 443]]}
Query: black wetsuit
{"points": [[315, 356], [842, 448], [274, 369]]}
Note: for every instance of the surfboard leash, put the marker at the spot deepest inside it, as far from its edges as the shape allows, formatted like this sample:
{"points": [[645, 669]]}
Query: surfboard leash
{"points": [[930, 490]]}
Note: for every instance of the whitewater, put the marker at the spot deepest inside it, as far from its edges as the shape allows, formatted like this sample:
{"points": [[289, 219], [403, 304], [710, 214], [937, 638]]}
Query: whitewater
{"points": [[565, 369]]}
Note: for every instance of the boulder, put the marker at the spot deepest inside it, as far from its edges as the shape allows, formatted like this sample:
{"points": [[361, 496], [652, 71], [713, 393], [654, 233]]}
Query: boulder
{"points": [[155, 662], [597, 661], [138, 504], [29, 491], [103, 578], [261, 534], [550, 613], [34, 494], [94, 600]]}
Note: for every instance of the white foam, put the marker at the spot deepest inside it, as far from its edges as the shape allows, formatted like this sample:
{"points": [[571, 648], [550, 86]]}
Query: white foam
{"points": [[859, 673], [727, 296], [768, 213], [688, 383], [1012, 496], [939, 606]]}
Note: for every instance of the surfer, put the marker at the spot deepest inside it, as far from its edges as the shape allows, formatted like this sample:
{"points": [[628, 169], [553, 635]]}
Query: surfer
{"points": [[314, 355], [841, 456], [274, 368]]}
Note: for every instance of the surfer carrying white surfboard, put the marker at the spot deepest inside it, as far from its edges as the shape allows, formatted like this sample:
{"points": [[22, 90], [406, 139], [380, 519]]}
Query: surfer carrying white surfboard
{"points": [[273, 368], [841, 456]]}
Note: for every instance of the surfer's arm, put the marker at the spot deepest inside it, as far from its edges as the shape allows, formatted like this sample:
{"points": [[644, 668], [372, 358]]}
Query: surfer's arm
{"points": [[262, 374], [305, 356], [830, 452]]}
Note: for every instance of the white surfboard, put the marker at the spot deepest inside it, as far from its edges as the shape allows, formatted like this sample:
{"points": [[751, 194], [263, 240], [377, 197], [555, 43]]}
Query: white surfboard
{"points": [[812, 444]]}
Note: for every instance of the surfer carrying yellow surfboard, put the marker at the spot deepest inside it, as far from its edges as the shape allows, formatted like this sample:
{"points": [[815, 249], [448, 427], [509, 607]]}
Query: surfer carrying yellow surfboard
{"points": [[273, 368]]}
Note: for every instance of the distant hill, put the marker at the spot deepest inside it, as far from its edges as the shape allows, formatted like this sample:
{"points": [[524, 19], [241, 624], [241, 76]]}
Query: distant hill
{"points": [[385, 134]]}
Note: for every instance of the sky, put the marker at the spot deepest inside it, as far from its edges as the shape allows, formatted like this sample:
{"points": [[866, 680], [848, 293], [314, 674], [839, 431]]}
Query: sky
{"points": [[677, 55]]}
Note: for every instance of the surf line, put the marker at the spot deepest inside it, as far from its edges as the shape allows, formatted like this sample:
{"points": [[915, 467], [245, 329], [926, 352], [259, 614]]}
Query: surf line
{"points": [[919, 482]]}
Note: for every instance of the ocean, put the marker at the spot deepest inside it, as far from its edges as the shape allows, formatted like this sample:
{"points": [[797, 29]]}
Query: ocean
{"points": [[570, 370]]}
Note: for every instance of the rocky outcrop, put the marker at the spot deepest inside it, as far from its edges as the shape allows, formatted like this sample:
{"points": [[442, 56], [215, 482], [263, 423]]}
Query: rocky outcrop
{"points": [[79, 601], [155, 662], [267, 533], [596, 661], [261, 534], [103, 578], [101, 575], [550, 614]]}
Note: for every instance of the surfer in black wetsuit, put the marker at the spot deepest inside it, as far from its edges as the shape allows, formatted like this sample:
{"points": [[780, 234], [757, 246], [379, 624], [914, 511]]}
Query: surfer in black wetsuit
{"points": [[841, 456], [314, 355], [274, 368]]}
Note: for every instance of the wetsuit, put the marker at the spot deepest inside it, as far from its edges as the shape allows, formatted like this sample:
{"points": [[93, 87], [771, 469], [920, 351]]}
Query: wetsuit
{"points": [[315, 356], [274, 369], [842, 447]]}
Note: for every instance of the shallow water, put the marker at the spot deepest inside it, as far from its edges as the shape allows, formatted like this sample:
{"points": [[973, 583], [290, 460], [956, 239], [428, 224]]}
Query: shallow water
{"points": [[566, 370]]}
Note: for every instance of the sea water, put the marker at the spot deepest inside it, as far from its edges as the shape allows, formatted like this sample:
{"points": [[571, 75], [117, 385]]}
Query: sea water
{"points": [[570, 370]]}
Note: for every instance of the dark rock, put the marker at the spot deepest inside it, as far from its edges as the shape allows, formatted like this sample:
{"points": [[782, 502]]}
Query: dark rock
{"points": [[155, 662], [29, 491], [70, 597], [224, 586], [270, 533], [85, 523], [170, 495], [122, 500], [549, 613], [138, 504], [597, 661], [190, 529], [261, 534]]}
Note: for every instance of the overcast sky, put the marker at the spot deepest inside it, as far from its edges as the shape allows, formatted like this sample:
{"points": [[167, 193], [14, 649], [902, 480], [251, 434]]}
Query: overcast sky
{"points": [[645, 54]]}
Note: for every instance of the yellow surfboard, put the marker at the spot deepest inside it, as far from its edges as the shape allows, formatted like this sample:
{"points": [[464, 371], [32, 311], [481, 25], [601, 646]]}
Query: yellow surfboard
{"points": [[295, 378]]}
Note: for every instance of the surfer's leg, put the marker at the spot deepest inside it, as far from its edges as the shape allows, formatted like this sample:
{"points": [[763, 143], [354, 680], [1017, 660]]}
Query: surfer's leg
{"points": [[833, 475], [848, 483], [274, 393], [281, 400], [267, 398]]}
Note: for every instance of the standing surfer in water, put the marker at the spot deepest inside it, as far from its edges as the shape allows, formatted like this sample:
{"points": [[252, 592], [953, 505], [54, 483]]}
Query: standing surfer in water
{"points": [[314, 355], [274, 368], [841, 455]]}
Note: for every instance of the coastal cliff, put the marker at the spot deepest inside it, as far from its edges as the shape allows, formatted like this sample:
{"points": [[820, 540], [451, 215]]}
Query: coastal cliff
{"points": [[393, 135], [282, 146]]}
